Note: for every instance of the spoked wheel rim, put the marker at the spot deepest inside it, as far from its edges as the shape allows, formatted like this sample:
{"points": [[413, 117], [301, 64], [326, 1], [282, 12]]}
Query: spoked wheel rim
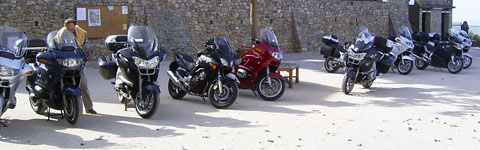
{"points": [[330, 65], [348, 84], [455, 66], [419, 63], [72, 108], [223, 97], [405, 66], [145, 105], [271, 90]]}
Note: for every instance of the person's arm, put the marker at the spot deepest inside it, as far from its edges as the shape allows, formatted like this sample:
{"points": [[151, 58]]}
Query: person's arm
{"points": [[86, 46]]}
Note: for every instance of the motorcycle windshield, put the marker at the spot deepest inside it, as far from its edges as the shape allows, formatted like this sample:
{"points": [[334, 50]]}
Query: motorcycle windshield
{"points": [[12, 40], [269, 37], [223, 48], [142, 39], [405, 32], [464, 34], [62, 40], [364, 40]]}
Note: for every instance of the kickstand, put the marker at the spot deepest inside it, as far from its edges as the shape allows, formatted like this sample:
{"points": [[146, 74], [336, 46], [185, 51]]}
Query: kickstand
{"points": [[126, 104], [254, 93], [48, 114], [440, 69], [393, 70], [203, 97]]}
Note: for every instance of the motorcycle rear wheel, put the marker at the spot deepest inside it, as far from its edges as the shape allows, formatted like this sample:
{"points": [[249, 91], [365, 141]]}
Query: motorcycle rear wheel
{"points": [[174, 91], [420, 64], [467, 62], [329, 65]]}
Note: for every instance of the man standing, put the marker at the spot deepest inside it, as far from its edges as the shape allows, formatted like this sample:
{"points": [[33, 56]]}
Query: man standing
{"points": [[81, 36]]}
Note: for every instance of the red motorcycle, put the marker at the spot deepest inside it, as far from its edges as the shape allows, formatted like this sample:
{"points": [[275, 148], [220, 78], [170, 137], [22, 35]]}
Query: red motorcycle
{"points": [[256, 69]]}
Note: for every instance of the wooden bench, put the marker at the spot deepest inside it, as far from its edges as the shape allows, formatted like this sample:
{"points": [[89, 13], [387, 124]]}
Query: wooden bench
{"points": [[289, 67]]}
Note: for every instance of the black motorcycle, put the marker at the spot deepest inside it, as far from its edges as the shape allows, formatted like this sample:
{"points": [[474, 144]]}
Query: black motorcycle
{"points": [[334, 53], [210, 76], [366, 58], [134, 64], [57, 75], [437, 53]]}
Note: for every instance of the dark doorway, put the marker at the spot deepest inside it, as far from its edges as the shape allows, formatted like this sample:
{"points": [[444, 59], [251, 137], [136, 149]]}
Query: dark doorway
{"points": [[426, 22]]}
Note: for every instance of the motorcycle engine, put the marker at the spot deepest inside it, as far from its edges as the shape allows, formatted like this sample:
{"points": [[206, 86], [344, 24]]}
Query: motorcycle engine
{"points": [[197, 81]]}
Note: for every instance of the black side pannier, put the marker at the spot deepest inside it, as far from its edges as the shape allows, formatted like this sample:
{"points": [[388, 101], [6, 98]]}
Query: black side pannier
{"points": [[116, 42], [327, 50], [420, 37], [384, 64], [107, 67], [381, 44], [34, 46]]}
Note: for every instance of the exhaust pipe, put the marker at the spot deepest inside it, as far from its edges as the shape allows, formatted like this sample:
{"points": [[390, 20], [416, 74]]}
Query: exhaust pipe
{"points": [[418, 57], [175, 80]]}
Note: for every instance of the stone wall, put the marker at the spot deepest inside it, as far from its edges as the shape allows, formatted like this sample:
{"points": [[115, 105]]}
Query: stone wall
{"points": [[184, 25]]}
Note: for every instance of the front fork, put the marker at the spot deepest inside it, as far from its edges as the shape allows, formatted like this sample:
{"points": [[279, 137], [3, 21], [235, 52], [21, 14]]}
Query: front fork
{"points": [[219, 82], [269, 82]]}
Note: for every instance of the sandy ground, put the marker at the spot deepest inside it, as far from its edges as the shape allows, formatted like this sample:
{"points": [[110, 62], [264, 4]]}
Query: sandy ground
{"points": [[430, 109]]}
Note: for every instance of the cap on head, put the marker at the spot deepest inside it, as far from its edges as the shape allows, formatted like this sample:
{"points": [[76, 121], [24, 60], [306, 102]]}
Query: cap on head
{"points": [[69, 21]]}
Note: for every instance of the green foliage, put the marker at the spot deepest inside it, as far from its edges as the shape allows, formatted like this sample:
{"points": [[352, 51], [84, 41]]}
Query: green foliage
{"points": [[474, 37]]}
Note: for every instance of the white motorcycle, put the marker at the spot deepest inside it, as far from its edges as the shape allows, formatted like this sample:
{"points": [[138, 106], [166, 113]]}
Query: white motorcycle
{"points": [[13, 68], [467, 42], [402, 51]]}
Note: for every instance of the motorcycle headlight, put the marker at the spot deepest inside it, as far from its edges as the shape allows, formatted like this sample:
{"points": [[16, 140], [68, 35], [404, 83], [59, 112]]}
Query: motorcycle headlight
{"points": [[7, 71], [356, 56], [224, 62], [141, 63], [277, 55], [70, 62]]}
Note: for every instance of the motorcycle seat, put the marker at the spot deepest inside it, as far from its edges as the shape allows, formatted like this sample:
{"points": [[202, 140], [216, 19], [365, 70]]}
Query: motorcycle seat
{"points": [[188, 61]]}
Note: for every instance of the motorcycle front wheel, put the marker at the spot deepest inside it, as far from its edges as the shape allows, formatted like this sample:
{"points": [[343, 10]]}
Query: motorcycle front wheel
{"points": [[72, 108], [347, 84], [37, 105], [146, 105], [405, 66], [455, 66], [270, 92], [226, 97], [467, 62]]}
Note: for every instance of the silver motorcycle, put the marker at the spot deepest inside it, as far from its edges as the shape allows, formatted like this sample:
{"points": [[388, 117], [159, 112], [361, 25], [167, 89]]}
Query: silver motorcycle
{"points": [[13, 68]]}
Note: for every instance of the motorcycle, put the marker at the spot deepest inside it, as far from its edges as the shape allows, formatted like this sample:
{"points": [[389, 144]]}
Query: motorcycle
{"points": [[439, 54], [256, 70], [12, 65], [334, 54], [57, 75], [209, 76], [402, 50], [467, 41], [135, 64], [362, 58]]}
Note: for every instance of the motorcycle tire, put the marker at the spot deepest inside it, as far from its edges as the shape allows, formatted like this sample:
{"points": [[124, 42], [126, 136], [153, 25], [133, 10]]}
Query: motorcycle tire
{"points": [[174, 91], [72, 108], [148, 108], [274, 94], [328, 68], [222, 100], [455, 66]]}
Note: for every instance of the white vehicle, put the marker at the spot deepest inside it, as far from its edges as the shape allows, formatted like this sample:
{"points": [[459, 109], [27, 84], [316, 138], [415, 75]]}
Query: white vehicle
{"points": [[402, 50], [13, 44], [467, 42]]}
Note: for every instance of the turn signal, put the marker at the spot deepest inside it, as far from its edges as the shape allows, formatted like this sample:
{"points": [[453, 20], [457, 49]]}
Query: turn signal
{"points": [[88, 58], [213, 66], [29, 72], [42, 60], [258, 50]]}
